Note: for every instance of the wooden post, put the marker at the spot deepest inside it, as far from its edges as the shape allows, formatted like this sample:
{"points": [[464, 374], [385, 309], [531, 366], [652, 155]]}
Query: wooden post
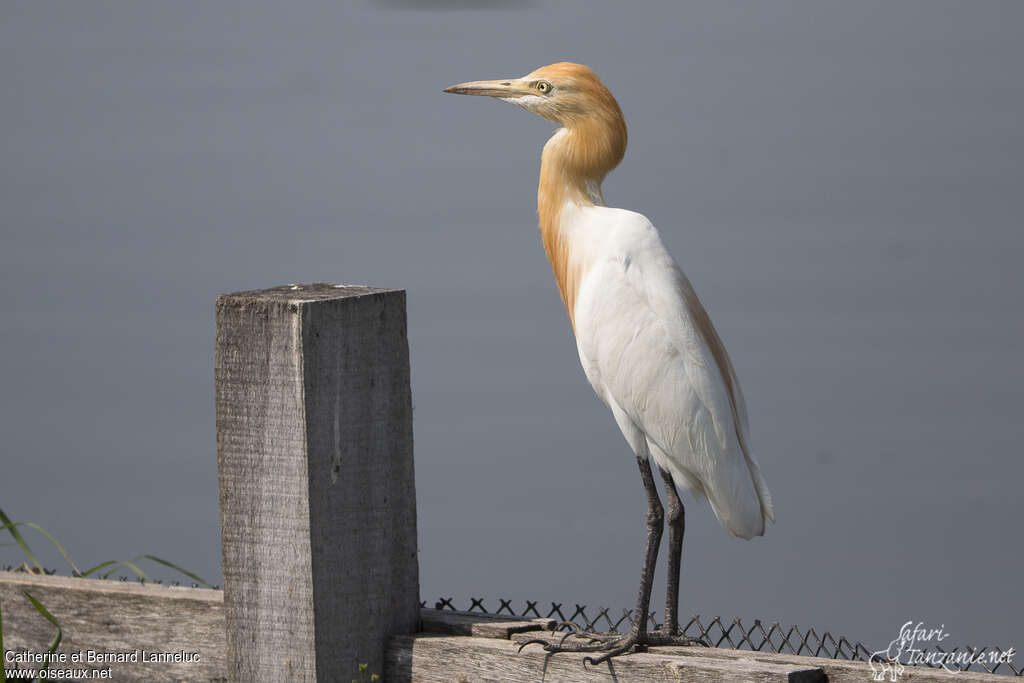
{"points": [[317, 495]]}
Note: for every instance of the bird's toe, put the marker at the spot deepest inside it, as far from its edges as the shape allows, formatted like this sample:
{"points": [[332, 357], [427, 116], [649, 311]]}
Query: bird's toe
{"points": [[664, 637]]}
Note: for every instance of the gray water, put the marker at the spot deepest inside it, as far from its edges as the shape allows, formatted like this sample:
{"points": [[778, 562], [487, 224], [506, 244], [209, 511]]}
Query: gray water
{"points": [[841, 181]]}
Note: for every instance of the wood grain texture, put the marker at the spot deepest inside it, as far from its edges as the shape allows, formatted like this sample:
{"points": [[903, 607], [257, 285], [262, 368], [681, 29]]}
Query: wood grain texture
{"points": [[111, 616], [846, 671], [449, 622], [317, 494], [837, 670], [430, 659]]}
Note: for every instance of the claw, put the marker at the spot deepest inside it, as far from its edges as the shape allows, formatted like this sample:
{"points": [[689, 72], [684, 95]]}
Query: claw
{"points": [[575, 630], [535, 641], [631, 642], [607, 646], [561, 641]]}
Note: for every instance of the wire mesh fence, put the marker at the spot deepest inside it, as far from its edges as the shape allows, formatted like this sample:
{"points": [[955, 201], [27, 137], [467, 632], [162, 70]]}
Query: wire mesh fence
{"points": [[717, 632]]}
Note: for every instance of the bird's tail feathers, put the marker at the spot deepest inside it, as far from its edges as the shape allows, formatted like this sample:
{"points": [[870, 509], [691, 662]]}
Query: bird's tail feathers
{"points": [[748, 511], [743, 505], [767, 509]]}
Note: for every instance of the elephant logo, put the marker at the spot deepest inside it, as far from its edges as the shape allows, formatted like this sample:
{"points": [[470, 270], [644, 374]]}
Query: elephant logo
{"points": [[887, 661]]}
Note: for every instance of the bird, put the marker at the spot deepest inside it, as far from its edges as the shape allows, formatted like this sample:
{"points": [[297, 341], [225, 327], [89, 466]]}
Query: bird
{"points": [[645, 341]]}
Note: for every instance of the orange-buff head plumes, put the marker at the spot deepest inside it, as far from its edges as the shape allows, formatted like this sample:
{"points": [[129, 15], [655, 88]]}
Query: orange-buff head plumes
{"points": [[591, 142]]}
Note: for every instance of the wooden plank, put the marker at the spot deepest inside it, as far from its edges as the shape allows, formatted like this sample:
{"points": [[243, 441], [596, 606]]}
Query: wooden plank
{"points": [[837, 670], [111, 616], [318, 506], [115, 617], [846, 671], [430, 659], [454, 623]]}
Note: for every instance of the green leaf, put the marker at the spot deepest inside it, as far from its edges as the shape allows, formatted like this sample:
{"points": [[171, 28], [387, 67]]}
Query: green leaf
{"points": [[174, 567], [130, 564], [97, 568], [54, 541], [13, 529], [55, 643]]}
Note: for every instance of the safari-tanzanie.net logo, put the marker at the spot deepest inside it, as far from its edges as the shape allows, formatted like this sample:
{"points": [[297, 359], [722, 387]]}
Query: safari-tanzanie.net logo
{"points": [[918, 645]]}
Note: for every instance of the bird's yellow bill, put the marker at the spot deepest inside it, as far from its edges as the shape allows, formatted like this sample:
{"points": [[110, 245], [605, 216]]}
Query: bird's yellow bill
{"points": [[510, 87]]}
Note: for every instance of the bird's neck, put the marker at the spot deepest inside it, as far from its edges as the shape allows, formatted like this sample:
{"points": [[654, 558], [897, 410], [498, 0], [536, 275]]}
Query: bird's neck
{"points": [[574, 163]]}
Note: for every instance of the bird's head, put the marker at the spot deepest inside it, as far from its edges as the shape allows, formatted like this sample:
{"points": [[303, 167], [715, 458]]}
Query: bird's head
{"points": [[564, 93]]}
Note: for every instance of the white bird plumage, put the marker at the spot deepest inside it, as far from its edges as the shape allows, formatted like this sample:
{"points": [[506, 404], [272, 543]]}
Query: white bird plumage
{"points": [[646, 343], [644, 353]]}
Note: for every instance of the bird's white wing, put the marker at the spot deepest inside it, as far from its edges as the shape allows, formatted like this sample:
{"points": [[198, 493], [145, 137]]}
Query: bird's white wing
{"points": [[651, 352]]}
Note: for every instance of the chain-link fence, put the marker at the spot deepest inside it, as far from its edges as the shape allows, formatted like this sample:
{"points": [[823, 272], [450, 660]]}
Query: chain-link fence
{"points": [[734, 634]]}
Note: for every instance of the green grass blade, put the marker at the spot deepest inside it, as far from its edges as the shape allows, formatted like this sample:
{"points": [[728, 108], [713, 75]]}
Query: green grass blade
{"points": [[175, 568], [97, 568], [13, 529], [53, 541], [55, 643], [141, 574], [130, 564]]}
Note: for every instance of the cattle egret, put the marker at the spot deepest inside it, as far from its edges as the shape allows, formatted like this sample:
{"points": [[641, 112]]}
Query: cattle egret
{"points": [[645, 341]]}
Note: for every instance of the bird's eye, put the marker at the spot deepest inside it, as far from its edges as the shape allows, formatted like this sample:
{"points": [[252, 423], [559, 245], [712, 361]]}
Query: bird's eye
{"points": [[543, 86]]}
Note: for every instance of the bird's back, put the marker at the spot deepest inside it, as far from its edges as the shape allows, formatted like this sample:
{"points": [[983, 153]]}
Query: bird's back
{"points": [[649, 350]]}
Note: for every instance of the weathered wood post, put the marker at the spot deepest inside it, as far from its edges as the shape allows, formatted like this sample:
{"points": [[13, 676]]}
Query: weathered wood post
{"points": [[317, 496]]}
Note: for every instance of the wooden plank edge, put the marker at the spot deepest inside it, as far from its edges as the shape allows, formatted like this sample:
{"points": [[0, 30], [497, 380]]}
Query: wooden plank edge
{"points": [[837, 670], [430, 658], [450, 622], [118, 631], [40, 581]]}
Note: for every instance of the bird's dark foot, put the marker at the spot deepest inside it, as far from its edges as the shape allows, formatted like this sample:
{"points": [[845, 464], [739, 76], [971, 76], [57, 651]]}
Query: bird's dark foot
{"points": [[610, 644], [574, 631], [675, 638]]}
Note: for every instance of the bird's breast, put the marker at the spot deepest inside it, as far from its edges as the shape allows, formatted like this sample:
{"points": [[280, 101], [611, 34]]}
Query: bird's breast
{"points": [[572, 244]]}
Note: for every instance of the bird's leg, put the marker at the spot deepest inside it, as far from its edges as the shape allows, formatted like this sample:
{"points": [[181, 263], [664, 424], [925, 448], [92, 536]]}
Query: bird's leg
{"points": [[670, 634], [676, 529], [655, 521], [611, 647]]}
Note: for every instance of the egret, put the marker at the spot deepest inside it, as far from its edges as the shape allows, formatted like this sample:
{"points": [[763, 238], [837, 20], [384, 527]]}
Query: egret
{"points": [[644, 339]]}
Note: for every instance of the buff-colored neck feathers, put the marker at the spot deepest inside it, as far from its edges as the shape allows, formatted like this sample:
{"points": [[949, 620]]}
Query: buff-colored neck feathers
{"points": [[575, 161]]}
